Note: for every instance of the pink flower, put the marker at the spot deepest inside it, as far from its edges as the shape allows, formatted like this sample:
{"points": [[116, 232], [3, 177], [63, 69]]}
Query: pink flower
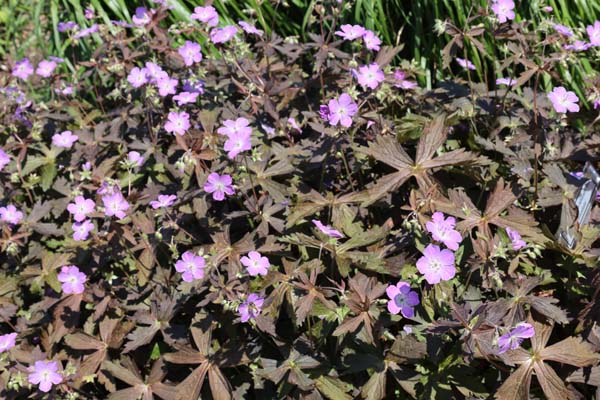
{"points": [[81, 208], [443, 230], [515, 238], [64, 139], [402, 82], [4, 159], [81, 230], [223, 35], [578, 45], [402, 299], [372, 42], [250, 29], [154, 71], [207, 14], [563, 100], [190, 266], [504, 10], [328, 230], [219, 186], [465, 63], [292, 122], [23, 69], [513, 339], [10, 214], [236, 143], [72, 280], [115, 205], [178, 123], [341, 110], [191, 53], [505, 81], [163, 201], [231, 127], [351, 32], [185, 98], [436, 265], [137, 77], [593, 32], [370, 76], [89, 13], [250, 308], [135, 158], [45, 68], [166, 85], [7, 341], [563, 30], [256, 263], [86, 32], [44, 374]]}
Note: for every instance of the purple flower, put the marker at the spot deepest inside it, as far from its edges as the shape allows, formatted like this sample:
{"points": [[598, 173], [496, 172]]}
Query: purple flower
{"points": [[194, 86], [45, 68], [7, 341], [372, 42], [115, 205], [23, 69], [166, 85], [402, 299], [341, 110], [250, 308], [231, 127], [135, 158], [255, 263], [185, 98], [596, 106], [443, 230], [10, 214], [563, 100], [236, 143], [292, 122], [223, 35], [514, 338], [141, 16], [4, 159], [219, 186], [81, 208], [72, 279], [563, 30], [66, 26], [89, 13], [86, 32], [505, 81], [436, 265], [153, 71], [465, 63], [402, 82], [593, 32], [137, 77], [44, 374], [578, 45], [81, 230], [190, 266], [351, 32], [328, 230], [370, 76], [250, 29], [164, 201], [207, 14], [64, 139], [325, 113], [515, 238], [178, 123], [191, 53], [504, 10]]}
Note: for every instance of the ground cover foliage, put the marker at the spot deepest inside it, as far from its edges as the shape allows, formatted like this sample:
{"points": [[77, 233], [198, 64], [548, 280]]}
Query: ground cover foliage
{"points": [[204, 209]]}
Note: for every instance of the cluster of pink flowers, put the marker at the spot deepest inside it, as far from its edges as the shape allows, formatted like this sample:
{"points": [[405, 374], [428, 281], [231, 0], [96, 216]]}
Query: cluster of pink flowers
{"points": [[437, 264], [238, 134], [23, 69], [354, 32]]}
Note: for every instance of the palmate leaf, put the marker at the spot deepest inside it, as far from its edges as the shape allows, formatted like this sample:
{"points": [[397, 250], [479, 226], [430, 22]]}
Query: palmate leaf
{"points": [[387, 150]]}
